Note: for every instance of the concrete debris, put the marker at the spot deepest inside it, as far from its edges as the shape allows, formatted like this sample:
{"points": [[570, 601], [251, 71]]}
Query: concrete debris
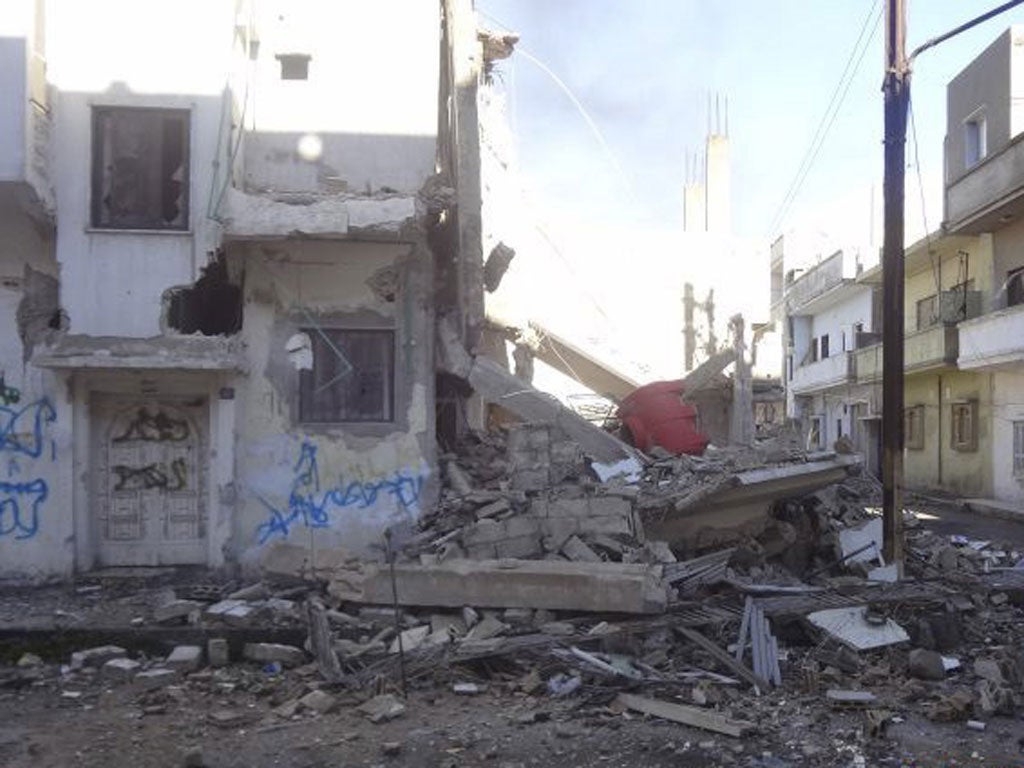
{"points": [[382, 708], [185, 658], [286, 655]]}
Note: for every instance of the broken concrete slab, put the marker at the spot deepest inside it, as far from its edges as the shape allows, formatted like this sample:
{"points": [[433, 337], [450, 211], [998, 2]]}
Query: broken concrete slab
{"points": [[410, 639], [576, 550], [286, 655], [849, 626], [151, 679], [185, 658], [382, 708], [96, 657], [176, 609], [318, 701], [599, 587], [120, 670]]}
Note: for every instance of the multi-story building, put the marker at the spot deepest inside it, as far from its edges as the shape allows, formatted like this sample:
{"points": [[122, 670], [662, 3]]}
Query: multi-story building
{"points": [[984, 196], [828, 315], [218, 230]]}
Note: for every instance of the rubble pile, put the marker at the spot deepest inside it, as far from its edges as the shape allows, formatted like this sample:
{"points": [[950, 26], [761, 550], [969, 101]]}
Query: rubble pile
{"points": [[535, 581]]}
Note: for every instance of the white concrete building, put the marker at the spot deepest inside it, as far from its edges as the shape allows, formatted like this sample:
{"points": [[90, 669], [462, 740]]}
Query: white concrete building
{"points": [[827, 315], [218, 228]]}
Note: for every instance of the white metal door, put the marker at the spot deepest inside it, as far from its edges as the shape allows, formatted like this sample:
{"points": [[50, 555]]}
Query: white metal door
{"points": [[149, 479]]}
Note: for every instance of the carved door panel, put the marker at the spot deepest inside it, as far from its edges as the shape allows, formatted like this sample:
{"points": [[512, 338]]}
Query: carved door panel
{"points": [[149, 480]]}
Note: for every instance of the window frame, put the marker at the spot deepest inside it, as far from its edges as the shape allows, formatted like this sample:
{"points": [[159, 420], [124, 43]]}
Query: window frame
{"points": [[913, 439], [979, 142], [98, 113], [816, 427], [957, 441], [934, 318], [306, 413]]}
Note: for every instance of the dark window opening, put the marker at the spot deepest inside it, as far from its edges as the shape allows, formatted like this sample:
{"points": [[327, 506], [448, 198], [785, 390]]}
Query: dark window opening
{"points": [[294, 66], [1015, 287], [964, 432], [352, 377], [824, 347], [140, 168], [212, 307]]}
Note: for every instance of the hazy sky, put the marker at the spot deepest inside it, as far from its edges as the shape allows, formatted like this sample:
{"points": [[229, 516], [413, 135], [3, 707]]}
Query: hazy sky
{"points": [[643, 70]]}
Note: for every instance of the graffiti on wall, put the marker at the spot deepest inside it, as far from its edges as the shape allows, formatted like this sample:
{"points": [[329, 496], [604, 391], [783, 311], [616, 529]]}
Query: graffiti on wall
{"points": [[311, 506], [154, 428], [156, 476], [23, 436], [19, 507], [8, 395]]}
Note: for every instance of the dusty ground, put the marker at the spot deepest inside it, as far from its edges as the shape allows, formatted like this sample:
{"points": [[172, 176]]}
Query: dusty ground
{"points": [[225, 717], [114, 728]]}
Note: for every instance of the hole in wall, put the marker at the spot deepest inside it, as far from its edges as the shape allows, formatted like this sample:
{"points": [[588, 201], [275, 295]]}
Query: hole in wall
{"points": [[212, 306]]}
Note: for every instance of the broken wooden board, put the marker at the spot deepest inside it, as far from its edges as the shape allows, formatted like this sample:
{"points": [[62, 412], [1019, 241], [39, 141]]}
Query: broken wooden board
{"points": [[685, 715], [555, 585], [722, 656]]}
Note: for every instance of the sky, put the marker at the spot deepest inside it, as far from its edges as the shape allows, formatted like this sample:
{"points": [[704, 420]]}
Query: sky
{"points": [[643, 70]]}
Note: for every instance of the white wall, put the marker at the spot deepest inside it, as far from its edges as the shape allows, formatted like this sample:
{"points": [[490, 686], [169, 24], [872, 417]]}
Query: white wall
{"points": [[841, 318], [1007, 407], [112, 282]]}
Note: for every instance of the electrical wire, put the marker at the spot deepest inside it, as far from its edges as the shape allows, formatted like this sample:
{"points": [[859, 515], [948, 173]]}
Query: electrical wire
{"points": [[829, 115]]}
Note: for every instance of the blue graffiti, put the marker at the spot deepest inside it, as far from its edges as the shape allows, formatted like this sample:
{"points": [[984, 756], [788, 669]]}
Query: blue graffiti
{"points": [[21, 430], [19, 508], [311, 507]]}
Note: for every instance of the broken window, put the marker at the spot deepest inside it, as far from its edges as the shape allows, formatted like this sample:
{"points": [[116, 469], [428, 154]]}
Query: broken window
{"points": [[964, 432], [140, 168], [913, 427], [352, 378], [926, 312], [1018, 448], [1015, 287]]}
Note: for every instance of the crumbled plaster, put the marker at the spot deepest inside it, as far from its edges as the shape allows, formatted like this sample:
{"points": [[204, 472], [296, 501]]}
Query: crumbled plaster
{"points": [[384, 283], [39, 309]]}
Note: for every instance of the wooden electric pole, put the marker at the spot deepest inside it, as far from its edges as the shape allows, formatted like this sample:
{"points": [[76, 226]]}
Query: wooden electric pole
{"points": [[897, 101], [897, 92]]}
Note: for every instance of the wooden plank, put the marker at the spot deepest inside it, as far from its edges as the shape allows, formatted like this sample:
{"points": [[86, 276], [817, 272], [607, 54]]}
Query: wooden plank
{"points": [[744, 629], [723, 657], [685, 715]]}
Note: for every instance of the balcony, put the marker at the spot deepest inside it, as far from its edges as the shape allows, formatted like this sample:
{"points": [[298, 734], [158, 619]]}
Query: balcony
{"points": [[830, 372], [925, 350], [994, 340], [989, 192]]}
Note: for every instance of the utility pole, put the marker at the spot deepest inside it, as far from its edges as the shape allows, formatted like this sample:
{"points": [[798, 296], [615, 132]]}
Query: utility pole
{"points": [[897, 101], [897, 93]]}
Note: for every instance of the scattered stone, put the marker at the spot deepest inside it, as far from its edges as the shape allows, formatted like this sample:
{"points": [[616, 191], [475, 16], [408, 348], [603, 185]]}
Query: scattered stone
{"points": [[926, 665], [391, 748], [151, 679], [175, 610], [252, 592], [185, 658], [381, 708], [976, 725], [96, 657], [470, 617], [487, 628], [120, 670], [319, 701], [989, 669], [411, 639], [466, 689], [575, 549], [218, 653], [29, 660], [194, 758], [286, 655]]}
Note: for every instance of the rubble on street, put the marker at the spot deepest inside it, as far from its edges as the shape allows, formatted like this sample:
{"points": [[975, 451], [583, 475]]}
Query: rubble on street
{"points": [[536, 584]]}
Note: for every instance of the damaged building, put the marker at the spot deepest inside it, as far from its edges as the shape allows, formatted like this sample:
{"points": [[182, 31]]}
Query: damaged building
{"points": [[221, 273]]}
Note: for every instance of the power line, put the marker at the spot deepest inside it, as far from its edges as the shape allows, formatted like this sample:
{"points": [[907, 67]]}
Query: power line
{"points": [[831, 111]]}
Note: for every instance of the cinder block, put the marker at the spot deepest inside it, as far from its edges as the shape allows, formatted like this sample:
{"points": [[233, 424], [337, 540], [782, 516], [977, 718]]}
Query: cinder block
{"points": [[518, 547], [155, 678], [185, 658], [218, 652]]}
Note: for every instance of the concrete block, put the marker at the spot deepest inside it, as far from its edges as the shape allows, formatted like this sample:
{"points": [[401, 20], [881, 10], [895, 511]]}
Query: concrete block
{"points": [[286, 655], [926, 665], [120, 670], [185, 658], [488, 627], [319, 701], [217, 652], [175, 610], [598, 587], [152, 679], [607, 525], [411, 639], [96, 657], [610, 505], [569, 508], [557, 529], [576, 550], [518, 547]]}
